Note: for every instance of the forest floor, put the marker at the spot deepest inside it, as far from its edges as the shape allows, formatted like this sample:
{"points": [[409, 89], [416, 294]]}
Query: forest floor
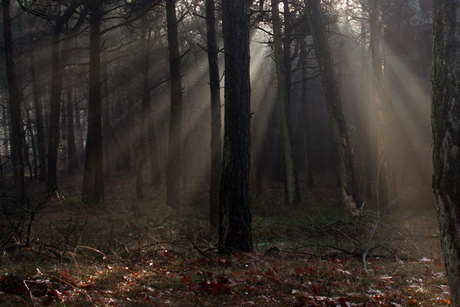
{"points": [[141, 253]]}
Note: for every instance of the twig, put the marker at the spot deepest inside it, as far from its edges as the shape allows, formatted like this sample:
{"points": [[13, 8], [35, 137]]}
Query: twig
{"points": [[196, 247]]}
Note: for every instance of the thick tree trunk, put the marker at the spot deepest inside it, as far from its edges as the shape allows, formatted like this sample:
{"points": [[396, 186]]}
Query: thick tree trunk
{"points": [[39, 122], [234, 209], [174, 164], [216, 142], [346, 162], [93, 177], [14, 103], [292, 185], [377, 85], [445, 123]]}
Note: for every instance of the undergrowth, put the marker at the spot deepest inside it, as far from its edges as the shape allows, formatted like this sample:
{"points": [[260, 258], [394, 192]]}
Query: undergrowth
{"points": [[141, 253]]}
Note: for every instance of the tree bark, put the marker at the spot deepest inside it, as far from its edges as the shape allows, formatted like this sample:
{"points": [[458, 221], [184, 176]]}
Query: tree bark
{"points": [[14, 103], [346, 162], [234, 209], [216, 142], [445, 123], [174, 163], [292, 185], [93, 177]]}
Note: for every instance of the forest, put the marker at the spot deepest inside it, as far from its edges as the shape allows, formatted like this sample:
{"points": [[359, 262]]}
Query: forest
{"points": [[231, 152]]}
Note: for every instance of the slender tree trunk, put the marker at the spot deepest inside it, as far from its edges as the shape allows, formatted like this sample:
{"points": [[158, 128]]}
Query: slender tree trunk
{"points": [[346, 162], [106, 124], [140, 155], [131, 145], [363, 120], [286, 50], [58, 61], [155, 172], [216, 142], [93, 177], [308, 167], [72, 160], [174, 167], [34, 148], [234, 209], [14, 103], [145, 104], [377, 85], [31, 148], [445, 123], [55, 111], [293, 193], [39, 123]]}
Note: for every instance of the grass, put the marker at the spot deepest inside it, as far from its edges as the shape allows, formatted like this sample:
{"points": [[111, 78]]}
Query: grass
{"points": [[142, 253]]}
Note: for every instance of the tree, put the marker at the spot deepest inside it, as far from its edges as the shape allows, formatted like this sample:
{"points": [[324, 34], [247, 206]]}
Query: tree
{"points": [[39, 122], [292, 185], [305, 99], [381, 118], [234, 209], [445, 123], [93, 177], [216, 142], [346, 163], [174, 168], [14, 104], [146, 103], [72, 160], [58, 63]]}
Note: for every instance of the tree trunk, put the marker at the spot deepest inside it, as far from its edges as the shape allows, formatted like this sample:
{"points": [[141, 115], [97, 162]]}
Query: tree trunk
{"points": [[308, 167], [145, 104], [58, 61], [93, 177], [216, 142], [346, 163], [155, 172], [293, 193], [30, 148], [106, 124], [234, 209], [363, 120], [14, 103], [55, 111], [377, 85], [39, 123], [445, 123], [174, 163], [72, 160]]}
